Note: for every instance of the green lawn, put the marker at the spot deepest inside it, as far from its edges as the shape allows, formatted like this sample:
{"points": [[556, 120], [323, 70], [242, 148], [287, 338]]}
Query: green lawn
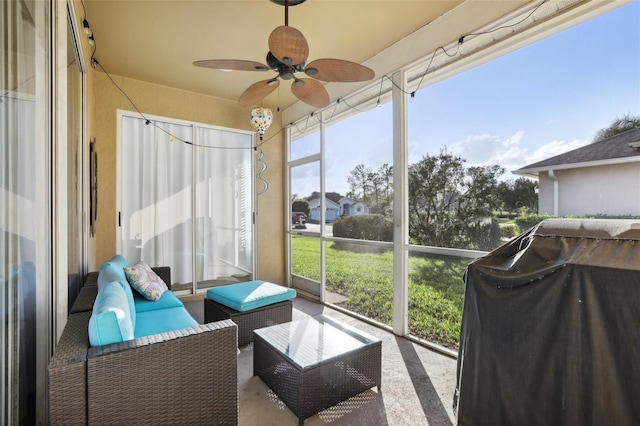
{"points": [[365, 278]]}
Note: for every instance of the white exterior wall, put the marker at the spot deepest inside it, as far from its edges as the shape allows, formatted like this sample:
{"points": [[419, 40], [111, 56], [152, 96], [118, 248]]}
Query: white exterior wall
{"points": [[545, 193], [356, 209], [612, 190]]}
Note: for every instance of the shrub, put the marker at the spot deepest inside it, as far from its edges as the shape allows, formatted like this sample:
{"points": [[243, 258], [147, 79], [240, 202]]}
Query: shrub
{"points": [[300, 206], [527, 222], [372, 227], [509, 230], [485, 236]]}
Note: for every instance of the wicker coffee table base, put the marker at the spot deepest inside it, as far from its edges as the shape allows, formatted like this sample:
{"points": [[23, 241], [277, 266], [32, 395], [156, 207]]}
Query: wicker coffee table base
{"points": [[308, 391]]}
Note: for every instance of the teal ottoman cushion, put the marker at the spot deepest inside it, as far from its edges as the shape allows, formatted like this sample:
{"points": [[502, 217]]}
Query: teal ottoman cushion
{"points": [[250, 295]]}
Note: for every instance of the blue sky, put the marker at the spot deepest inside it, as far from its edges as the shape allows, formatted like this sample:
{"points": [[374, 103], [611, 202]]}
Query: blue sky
{"points": [[539, 101]]}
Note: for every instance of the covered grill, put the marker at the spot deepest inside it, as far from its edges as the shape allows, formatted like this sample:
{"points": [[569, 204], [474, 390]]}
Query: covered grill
{"points": [[551, 328]]}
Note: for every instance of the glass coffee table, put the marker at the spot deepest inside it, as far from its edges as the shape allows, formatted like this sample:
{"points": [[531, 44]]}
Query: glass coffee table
{"points": [[315, 363]]}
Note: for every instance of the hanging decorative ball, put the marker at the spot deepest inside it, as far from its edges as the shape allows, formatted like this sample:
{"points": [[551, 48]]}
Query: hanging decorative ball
{"points": [[261, 119]]}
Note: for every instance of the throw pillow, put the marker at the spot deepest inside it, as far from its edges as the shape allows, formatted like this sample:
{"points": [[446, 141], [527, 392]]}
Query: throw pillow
{"points": [[145, 281]]}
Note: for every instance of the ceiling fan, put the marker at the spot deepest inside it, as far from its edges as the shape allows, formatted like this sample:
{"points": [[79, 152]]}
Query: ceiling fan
{"points": [[288, 52]]}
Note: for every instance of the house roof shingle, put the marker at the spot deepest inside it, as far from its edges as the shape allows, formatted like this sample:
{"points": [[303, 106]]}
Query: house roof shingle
{"points": [[615, 147]]}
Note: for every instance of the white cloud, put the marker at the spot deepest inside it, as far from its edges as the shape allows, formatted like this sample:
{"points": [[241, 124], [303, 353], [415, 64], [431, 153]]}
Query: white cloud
{"points": [[554, 148], [485, 150]]}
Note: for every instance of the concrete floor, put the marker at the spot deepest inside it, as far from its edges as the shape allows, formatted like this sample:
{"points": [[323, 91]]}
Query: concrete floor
{"points": [[417, 383]]}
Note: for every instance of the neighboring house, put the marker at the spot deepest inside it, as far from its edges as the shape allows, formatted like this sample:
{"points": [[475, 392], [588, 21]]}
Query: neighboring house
{"points": [[332, 210], [600, 178], [349, 207], [345, 207]]}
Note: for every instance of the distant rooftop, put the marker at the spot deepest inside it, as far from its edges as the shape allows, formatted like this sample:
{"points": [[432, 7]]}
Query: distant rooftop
{"points": [[623, 147]]}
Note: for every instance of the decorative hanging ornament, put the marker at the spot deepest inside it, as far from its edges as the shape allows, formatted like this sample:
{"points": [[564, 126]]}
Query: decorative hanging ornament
{"points": [[261, 119], [259, 175]]}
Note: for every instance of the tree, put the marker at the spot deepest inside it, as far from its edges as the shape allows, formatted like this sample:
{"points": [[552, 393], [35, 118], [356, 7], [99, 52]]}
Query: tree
{"points": [[358, 181], [525, 191], [619, 125], [372, 187], [300, 206], [514, 195], [450, 205], [508, 198], [481, 196]]}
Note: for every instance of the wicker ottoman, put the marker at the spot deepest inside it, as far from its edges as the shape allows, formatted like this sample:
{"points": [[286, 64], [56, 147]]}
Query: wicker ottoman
{"points": [[253, 311]]}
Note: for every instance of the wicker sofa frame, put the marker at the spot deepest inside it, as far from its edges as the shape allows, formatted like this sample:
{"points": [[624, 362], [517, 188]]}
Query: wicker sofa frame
{"points": [[187, 376]]}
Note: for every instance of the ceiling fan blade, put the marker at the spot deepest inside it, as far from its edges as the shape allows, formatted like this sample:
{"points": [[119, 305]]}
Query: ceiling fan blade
{"points": [[257, 91], [338, 70], [231, 64], [312, 92], [288, 45]]}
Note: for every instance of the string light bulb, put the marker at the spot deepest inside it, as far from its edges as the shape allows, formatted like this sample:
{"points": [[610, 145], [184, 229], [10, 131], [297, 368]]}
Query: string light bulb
{"points": [[460, 41], [87, 28]]}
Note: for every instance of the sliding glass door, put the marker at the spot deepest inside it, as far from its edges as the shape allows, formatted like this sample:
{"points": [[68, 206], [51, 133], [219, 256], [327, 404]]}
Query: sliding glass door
{"points": [[186, 200], [26, 296]]}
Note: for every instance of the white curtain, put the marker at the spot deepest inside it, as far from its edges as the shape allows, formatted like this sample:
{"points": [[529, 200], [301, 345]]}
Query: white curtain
{"points": [[224, 203], [160, 174]]}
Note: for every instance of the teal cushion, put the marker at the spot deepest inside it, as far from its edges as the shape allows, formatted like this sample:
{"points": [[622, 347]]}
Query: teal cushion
{"points": [[110, 321], [119, 260], [250, 295], [113, 270], [130, 299], [163, 320], [167, 300]]}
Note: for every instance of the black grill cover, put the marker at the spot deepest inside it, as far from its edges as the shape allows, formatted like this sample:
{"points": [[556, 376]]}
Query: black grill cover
{"points": [[551, 328]]}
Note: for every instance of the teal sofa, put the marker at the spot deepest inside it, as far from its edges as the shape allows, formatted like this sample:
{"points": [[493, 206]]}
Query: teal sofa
{"points": [[123, 359], [121, 313]]}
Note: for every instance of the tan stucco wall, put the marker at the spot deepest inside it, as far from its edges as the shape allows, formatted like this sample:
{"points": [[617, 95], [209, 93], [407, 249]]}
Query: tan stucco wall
{"points": [[104, 101], [610, 190]]}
